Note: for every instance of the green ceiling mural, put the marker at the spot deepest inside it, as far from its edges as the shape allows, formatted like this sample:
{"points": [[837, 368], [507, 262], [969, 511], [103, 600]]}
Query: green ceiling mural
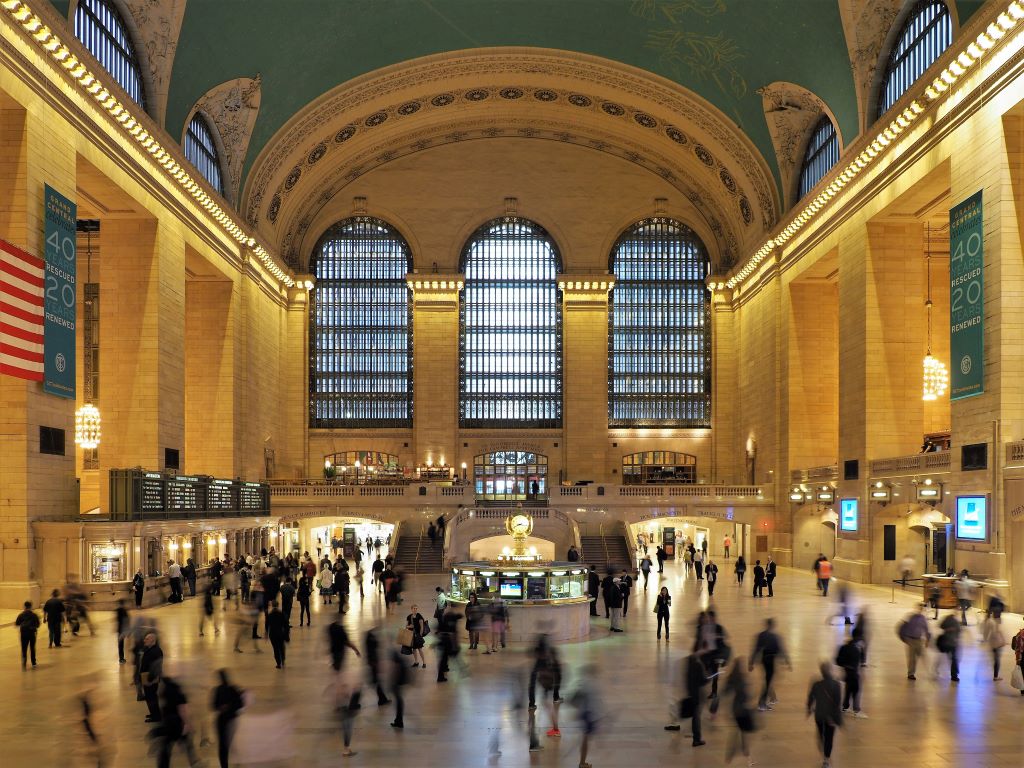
{"points": [[724, 50]]}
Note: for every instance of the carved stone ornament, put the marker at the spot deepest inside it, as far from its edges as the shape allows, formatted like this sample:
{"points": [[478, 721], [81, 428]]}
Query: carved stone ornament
{"points": [[866, 25], [158, 25], [232, 108]]}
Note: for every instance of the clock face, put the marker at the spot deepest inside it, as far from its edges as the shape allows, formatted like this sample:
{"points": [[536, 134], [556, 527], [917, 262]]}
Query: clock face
{"points": [[520, 524]]}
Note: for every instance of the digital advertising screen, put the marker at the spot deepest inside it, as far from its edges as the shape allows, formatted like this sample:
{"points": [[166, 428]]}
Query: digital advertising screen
{"points": [[848, 515], [511, 589], [971, 518]]}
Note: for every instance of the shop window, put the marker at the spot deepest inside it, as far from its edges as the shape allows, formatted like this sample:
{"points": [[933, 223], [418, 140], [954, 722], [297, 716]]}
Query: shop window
{"points": [[926, 33], [108, 562], [103, 32], [510, 356], [659, 333], [658, 467], [361, 328]]}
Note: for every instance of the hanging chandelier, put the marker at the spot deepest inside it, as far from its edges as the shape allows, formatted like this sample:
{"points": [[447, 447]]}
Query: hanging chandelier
{"points": [[935, 375], [87, 427]]}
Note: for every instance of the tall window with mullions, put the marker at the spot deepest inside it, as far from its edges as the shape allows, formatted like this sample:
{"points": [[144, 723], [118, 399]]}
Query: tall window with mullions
{"points": [[926, 32], [659, 335], [361, 328], [821, 154], [510, 353], [103, 32]]}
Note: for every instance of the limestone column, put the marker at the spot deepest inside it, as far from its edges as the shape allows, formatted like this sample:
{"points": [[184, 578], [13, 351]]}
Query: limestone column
{"points": [[726, 466], [585, 373], [435, 323], [292, 448]]}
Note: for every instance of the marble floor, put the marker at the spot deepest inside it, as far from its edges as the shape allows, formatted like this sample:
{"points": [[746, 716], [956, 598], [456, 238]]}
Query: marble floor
{"points": [[928, 724]]}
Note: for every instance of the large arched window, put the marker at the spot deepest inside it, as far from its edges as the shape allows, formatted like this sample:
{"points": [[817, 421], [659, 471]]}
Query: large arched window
{"points": [[659, 336], [361, 328], [926, 33], [822, 153], [510, 362], [201, 151], [103, 32]]}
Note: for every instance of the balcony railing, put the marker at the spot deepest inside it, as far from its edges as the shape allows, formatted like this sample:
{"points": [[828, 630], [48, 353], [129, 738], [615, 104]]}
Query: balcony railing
{"points": [[913, 464]]}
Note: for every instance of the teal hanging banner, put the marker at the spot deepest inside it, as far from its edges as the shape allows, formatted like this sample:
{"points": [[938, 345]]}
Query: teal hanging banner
{"points": [[60, 296], [966, 299]]}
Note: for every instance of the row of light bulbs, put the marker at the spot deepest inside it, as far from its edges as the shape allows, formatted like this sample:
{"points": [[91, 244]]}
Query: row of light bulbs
{"points": [[975, 50], [92, 86]]}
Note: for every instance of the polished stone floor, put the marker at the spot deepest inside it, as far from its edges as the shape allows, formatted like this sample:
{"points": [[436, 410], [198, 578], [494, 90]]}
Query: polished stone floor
{"points": [[928, 724]]}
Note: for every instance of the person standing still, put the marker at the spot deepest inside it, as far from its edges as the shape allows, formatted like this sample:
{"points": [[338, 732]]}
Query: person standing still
{"points": [[823, 703], [608, 585], [53, 611], [698, 563], [150, 673], [139, 587], [593, 589], [276, 627], [613, 600], [303, 594], [770, 572], [711, 576], [661, 607], [174, 578], [660, 556], [758, 590], [741, 569], [727, 545], [28, 625], [626, 585]]}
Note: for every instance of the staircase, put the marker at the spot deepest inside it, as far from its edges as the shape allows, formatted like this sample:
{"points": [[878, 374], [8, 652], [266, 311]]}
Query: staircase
{"points": [[416, 555], [603, 552]]}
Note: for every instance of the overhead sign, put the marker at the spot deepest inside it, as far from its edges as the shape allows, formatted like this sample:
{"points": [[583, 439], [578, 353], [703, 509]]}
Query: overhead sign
{"points": [[966, 299], [60, 297]]}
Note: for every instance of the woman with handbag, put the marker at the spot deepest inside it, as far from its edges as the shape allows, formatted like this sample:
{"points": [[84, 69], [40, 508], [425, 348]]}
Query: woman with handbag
{"points": [[1017, 678], [992, 636], [419, 627], [661, 608], [326, 584]]}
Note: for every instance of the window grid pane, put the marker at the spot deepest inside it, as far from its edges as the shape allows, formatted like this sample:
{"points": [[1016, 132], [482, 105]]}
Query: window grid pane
{"points": [[510, 355], [659, 338], [822, 153], [361, 328], [100, 28], [927, 32], [201, 151]]}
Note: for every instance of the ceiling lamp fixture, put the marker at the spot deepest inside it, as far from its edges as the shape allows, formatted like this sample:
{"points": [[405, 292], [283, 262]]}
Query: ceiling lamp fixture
{"points": [[87, 418], [936, 377]]}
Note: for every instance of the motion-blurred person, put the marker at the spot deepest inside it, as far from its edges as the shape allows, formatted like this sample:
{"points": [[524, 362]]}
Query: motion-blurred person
{"points": [[736, 685], [1017, 645], [346, 697], [78, 604], [593, 589], [661, 607], [913, 631], [645, 568], [53, 613], [994, 639], [151, 667], [287, 599], [374, 656], [397, 678], [585, 699], [338, 642], [823, 703], [420, 628], [860, 634], [499, 623], [277, 633], [906, 569], [547, 671], [227, 702], [97, 748], [767, 648], [176, 725], [711, 576], [843, 602], [208, 612], [246, 619], [447, 642], [123, 627], [360, 576], [394, 589], [949, 643], [713, 641], [229, 580], [823, 568], [303, 594], [28, 625], [965, 589], [474, 621], [849, 659], [138, 587], [692, 705], [189, 574]]}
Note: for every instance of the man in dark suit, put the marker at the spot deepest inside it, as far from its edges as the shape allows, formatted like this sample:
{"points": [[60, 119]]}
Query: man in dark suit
{"points": [[758, 579], [769, 574], [593, 588], [607, 585]]}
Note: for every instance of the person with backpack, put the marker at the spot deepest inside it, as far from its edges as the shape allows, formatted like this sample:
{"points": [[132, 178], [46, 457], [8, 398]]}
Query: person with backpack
{"points": [[645, 569], [949, 643], [420, 628], [914, 633], [849, 659], [227, 701]]}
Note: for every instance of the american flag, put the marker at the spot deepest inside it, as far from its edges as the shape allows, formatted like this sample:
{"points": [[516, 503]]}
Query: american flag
{"points": [[22, 279]]}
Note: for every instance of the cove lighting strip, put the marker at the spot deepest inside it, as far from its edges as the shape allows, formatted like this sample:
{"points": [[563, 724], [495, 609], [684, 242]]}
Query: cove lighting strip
{"points": [[968, 57], [45, 38]]}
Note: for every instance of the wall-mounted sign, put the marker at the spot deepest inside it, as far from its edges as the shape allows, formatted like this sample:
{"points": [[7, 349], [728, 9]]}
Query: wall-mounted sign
{"points": [[60, 296], [848, 515], [972, 518], [929, 493], [966, 299]]}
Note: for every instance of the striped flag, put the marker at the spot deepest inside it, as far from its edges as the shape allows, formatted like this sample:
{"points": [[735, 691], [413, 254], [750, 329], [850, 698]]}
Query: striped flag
{"points": [[22, 280]]}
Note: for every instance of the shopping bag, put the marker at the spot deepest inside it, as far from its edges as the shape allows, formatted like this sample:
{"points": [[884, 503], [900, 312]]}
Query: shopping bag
{"points": [[404, 636], [1017, 678]]}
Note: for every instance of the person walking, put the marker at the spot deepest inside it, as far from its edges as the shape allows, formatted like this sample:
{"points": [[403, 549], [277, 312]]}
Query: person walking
{"points": [[547, 671], [584, 699], [645, 569], [303, 594], [737, 686], [338, 642], [692, 706], [123, 627], [965, 590], [227, 701], [661, 607], [768, 647], [824, 575], [190, 575], [151, 667], [277, 632], [176, 725], [139, 587], [698, 563], [907, 567], [398, 678], [448, 641], [740, 568], [660, 556], [758, 590], [727, 545], [374, 660], [711, 576], [474, 620], [817, 570], [499, 623], [208, 613], [914, 633], [949, 643], [770, 572], [53, 613], [287, 595], [849, 660], [823, 703], [593, 589], [626, 586], [28, 625]]}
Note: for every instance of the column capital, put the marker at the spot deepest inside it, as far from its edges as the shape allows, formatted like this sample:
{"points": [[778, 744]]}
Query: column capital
{"points": [[585, 287], [435, 288]]}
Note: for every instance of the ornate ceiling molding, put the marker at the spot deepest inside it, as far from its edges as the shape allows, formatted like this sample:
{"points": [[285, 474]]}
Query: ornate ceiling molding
{"points": [[502, 89], [867, 25], [232, 107], [791, 111], [158, 26]]}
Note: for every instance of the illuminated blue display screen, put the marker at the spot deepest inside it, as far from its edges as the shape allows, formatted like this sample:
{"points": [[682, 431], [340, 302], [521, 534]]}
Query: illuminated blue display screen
{"points": [[848, 514], [971, 522]]}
